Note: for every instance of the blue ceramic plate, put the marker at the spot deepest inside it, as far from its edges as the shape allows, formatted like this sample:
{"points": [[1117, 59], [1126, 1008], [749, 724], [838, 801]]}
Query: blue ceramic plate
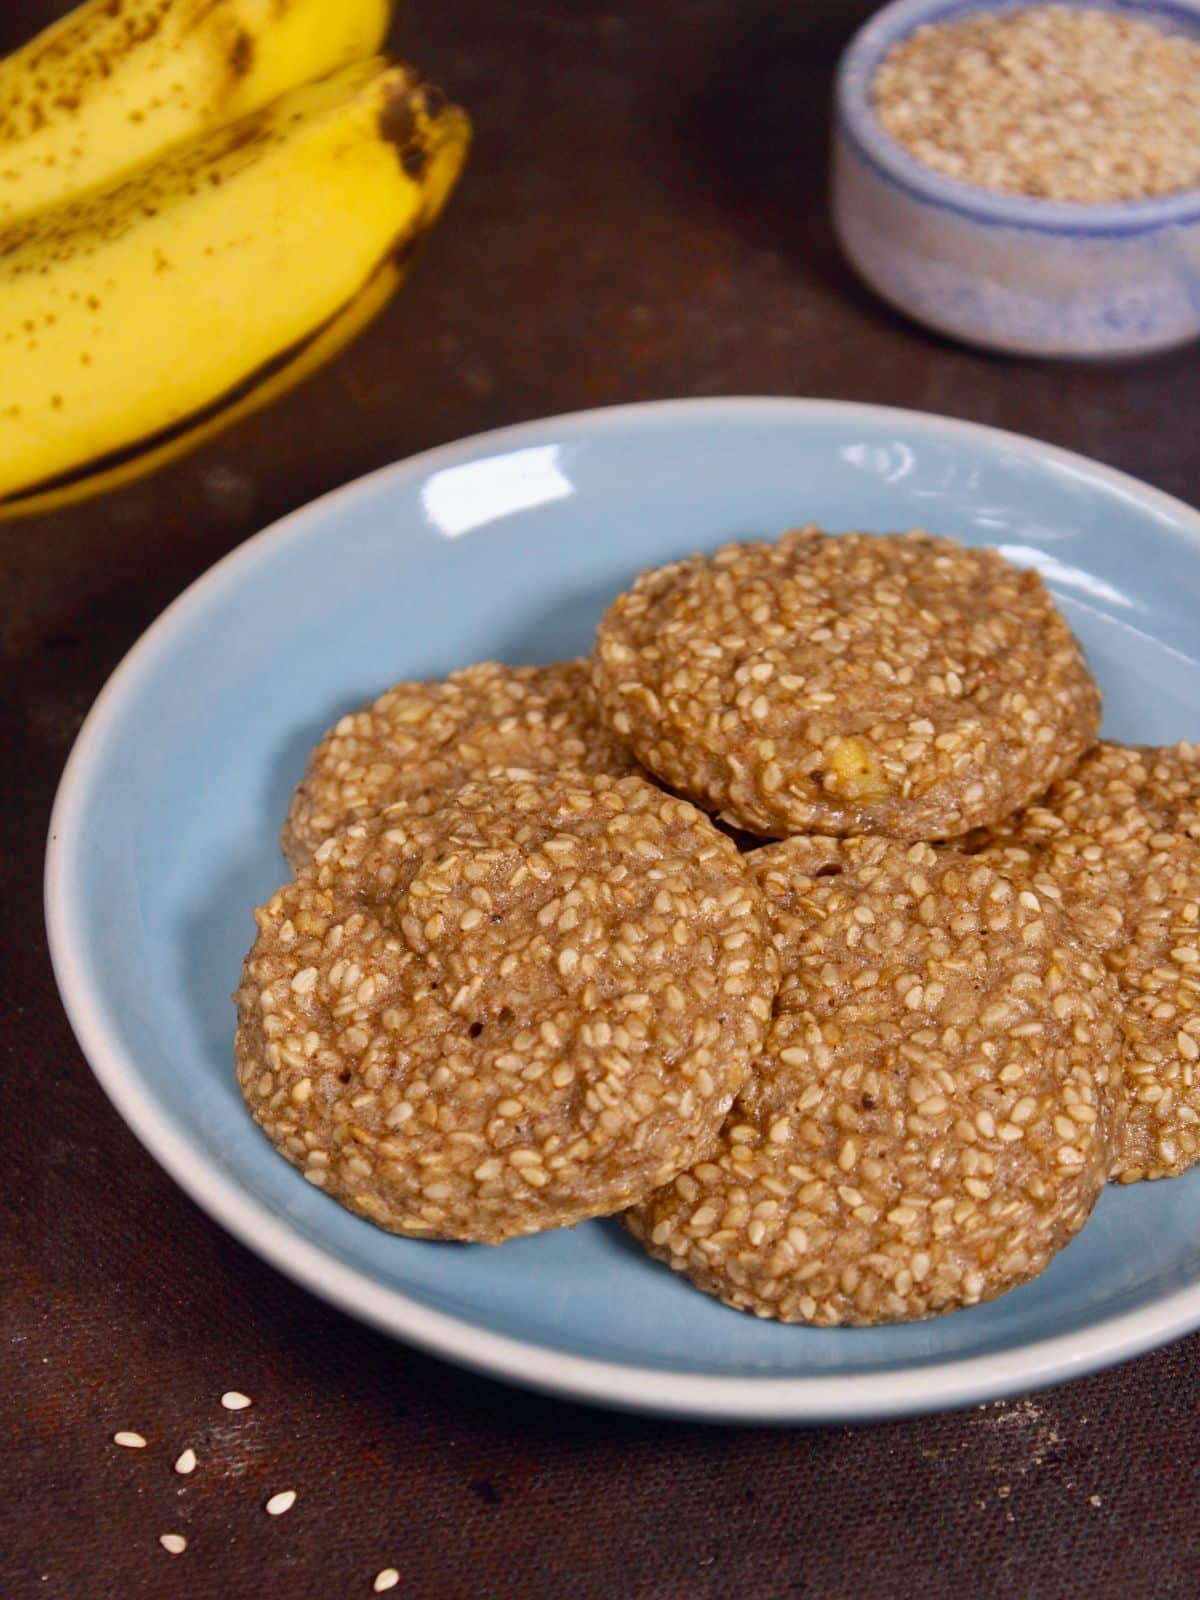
{"points": [[164, 837]]}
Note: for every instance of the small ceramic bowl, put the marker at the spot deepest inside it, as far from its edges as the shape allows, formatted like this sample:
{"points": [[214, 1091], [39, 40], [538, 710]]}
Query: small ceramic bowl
{"points": [[1015, 273]]}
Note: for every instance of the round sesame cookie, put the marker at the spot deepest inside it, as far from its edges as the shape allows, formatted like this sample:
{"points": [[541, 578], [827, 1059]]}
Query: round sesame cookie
{"points": [[1156, 963], [530, 1006], [902, 685], [1140, 906], [420, 741], [1118, 793], [1119, 841], [928, 1123]]}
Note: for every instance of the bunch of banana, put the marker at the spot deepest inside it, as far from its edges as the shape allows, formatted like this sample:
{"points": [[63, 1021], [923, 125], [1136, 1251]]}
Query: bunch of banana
{"points": [[117, 81], [149, 302]]}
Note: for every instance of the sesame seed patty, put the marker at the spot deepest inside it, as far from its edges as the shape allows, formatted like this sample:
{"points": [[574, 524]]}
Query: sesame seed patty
{"points": [[1119, 841], [1121, 793], [530, 1006], [902, 685], [928, 1123], [420, 741]]}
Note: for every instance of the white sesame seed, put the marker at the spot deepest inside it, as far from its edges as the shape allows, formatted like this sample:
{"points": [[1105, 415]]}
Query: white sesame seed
{"points": [[186, 1462], [129, 1441], [233, 1400], [281, 1502], [387, 1579], [1049, 100], [173, 1543]]}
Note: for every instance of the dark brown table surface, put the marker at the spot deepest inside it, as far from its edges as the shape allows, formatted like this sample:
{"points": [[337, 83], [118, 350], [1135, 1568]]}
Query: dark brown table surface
{"points": [[644, 216]]}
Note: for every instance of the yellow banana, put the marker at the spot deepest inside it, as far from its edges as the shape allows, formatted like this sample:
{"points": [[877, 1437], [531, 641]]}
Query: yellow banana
{"points": [[258, 390], [118, 81], [139, 319]]}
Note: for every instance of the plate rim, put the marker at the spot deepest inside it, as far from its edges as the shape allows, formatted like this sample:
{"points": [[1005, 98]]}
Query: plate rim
{"points": [[872, 1395]]}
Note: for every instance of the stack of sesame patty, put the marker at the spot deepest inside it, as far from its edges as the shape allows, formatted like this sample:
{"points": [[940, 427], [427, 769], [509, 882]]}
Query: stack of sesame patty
{"points": [[876, 1070]]}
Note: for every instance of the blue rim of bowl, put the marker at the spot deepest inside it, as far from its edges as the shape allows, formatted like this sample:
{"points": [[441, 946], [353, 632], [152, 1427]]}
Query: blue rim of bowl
{"points": [[856, 1397], [858, 124]]}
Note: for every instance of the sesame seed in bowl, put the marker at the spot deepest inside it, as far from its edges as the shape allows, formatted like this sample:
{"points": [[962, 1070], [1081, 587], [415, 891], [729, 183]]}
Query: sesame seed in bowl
{"points": [[1026, 178], [1055, 101]]}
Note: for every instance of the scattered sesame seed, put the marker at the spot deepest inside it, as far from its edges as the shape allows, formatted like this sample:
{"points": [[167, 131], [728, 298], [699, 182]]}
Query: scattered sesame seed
{"points": [[281, 1502], [173, 1543], [387, 1579], [186, 1462], [232, 1400], [129, 1441]]}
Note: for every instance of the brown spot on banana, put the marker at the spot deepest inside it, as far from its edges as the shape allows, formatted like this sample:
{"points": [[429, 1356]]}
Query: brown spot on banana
{"points": [[434, 100], [398, 118], [404, 119], [241, 57], [414, 158]]}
